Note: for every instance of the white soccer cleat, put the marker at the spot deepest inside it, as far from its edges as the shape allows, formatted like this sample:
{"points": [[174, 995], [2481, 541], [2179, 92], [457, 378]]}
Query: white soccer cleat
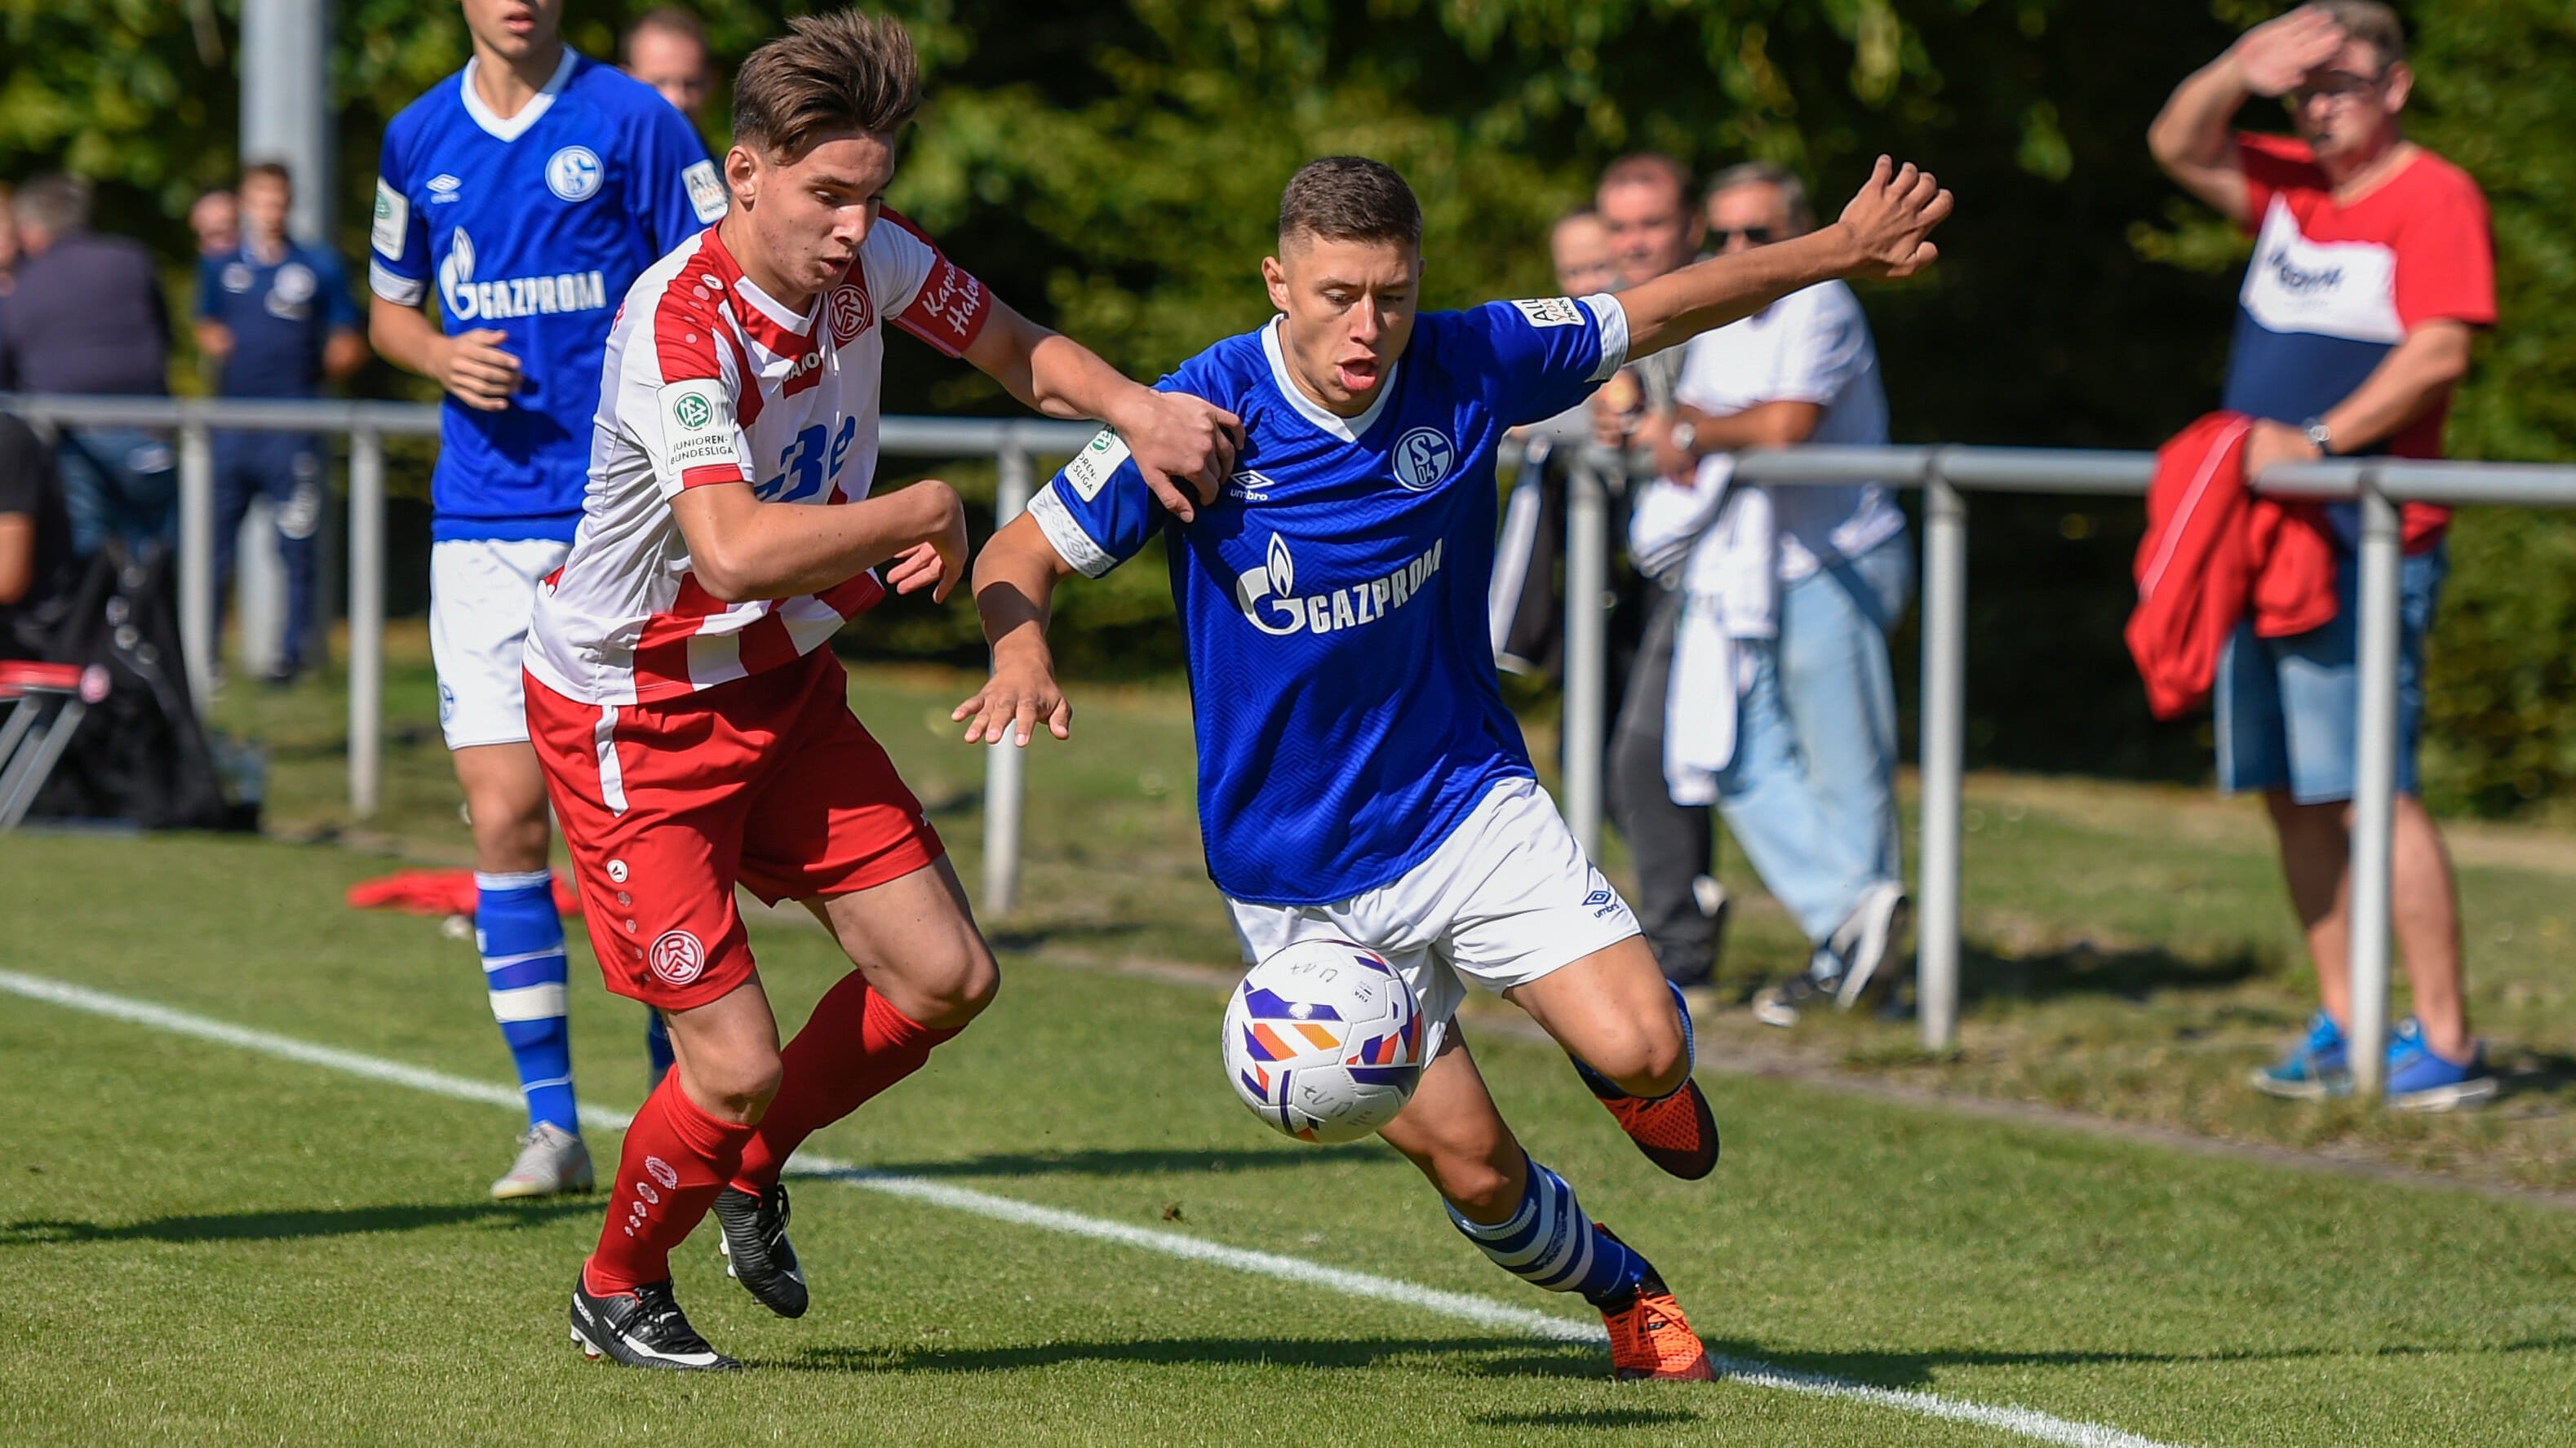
{"points": [[552, 1162]]}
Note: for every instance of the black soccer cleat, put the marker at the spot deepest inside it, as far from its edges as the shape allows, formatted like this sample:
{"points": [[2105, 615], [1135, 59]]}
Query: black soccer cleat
{"points": [[755, 1247], [642, 1329]]}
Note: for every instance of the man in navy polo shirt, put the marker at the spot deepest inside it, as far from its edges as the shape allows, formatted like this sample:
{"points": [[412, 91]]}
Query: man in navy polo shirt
{"points": [[277, 315]]}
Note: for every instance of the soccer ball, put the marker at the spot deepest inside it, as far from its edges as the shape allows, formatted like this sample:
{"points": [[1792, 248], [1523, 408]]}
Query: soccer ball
{"points": [[1324, 1041]]}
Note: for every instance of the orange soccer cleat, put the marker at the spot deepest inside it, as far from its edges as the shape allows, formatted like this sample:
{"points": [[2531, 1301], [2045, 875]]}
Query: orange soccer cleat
{"points": [[1650, 1340], [1677, 1132]]}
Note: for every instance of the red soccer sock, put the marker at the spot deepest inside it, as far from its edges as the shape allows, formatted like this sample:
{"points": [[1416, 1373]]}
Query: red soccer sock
{"points": [[853, 1047], [676, 1158]]}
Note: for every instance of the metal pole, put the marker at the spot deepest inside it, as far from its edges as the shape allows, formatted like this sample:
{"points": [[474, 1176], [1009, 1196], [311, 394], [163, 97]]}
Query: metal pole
{"points": [[197, 560], [366, 619], [2374, 788], [1005, 763], [285, 103], [1944, 726], [1587, 632]]}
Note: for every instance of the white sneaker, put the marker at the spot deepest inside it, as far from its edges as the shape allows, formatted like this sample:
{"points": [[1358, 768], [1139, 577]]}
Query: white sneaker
{"points": [[552, 1161], [1867, 939]]}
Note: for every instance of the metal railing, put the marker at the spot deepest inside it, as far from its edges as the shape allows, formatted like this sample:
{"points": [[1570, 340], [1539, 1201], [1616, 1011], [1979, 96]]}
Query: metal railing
{"points": [[1944, 473], [1013, 443]]}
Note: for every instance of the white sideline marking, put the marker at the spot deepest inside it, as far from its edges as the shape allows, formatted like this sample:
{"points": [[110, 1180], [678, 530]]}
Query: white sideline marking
{"points": [[1460, 1306]]}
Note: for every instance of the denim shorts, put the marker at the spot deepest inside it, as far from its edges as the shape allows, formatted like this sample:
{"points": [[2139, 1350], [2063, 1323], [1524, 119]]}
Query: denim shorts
{"points": [[2288, 709]]}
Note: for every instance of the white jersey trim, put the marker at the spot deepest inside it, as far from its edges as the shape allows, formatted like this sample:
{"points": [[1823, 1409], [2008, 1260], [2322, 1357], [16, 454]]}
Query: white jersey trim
{"points": [[1612, 319], [1065, 535], [1348, 429], [394, 287], [513, 127]]}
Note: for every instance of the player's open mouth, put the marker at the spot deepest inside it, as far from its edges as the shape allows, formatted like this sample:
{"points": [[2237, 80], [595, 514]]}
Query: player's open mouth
{"points": [[1356, 376]]}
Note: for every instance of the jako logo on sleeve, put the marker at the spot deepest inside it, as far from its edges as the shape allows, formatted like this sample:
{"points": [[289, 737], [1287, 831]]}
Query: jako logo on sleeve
{"points": [[1269, 600], [469, 300]]}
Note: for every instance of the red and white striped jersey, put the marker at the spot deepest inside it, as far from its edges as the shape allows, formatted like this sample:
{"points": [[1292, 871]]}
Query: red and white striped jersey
{"points": [[709, 380]]}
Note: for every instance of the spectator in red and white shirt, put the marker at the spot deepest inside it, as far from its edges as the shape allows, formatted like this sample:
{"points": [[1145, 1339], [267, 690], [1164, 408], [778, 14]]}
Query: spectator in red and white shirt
{"points": [[695, 732], [2372, 270]]}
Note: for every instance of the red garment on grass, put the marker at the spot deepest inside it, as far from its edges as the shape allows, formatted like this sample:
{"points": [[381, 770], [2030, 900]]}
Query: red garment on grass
{"points": [[2214, 550], [438, 892]]}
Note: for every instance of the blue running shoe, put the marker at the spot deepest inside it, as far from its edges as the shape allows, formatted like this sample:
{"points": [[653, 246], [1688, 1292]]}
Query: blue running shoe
{"points": [[2313, 1071], [2419, 1080]]}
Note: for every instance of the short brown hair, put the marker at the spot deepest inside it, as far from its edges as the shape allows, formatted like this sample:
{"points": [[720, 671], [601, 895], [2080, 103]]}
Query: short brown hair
{"points": [[2368, 20], [1349, 198], [670, 20], [839, 72], [1647, 168], [270, 171]]}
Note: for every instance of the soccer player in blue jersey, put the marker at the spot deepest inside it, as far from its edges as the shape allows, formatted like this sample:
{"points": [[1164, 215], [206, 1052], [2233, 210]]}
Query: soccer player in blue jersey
{"points": [[1359, 775], [530, 190]]}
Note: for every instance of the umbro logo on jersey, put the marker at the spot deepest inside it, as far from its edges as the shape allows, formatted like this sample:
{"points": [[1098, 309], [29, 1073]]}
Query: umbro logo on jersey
{"points": [[1250, 486], [443, 187], [1269, 600]]}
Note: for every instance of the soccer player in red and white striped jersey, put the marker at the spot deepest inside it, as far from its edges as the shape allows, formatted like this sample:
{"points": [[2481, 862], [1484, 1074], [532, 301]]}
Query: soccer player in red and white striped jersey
{"points": [[695, 732]]}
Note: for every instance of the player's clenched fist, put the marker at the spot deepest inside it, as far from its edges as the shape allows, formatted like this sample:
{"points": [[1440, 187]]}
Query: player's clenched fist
{"points": [[1183, 445], [1888, 221]]}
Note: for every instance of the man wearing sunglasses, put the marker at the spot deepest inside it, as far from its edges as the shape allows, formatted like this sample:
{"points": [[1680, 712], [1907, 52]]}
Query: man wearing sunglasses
{"points": [[2372, 270], [1808, 786]]}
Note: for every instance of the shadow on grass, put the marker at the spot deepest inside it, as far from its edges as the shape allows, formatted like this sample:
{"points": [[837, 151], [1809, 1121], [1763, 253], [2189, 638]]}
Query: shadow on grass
{"points": [[1123, 1163], [289, 1225], [1588, 1418], [1498, 1356], [2088, 969], [1494, 1356]]}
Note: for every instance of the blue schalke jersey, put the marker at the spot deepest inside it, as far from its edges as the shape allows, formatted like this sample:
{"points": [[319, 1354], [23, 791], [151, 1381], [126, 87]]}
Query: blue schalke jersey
{"points": [[280, 313], [534, 226], [1332, 599]]}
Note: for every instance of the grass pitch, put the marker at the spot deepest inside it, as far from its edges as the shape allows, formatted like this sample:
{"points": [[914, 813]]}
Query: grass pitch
{"points": [[202, 1243]]}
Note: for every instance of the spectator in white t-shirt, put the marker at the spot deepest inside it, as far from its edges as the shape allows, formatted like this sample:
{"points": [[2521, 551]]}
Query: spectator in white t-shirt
{"points": [[1810, 790]]}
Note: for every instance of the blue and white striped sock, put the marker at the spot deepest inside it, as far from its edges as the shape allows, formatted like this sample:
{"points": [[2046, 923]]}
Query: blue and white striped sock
{"points": [[522, 942], [1608, 1090], [1550, 1243]]}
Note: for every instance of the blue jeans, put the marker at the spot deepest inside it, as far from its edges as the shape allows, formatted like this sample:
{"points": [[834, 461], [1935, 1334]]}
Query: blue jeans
{"points": [[2289, 709], [1811, 791], [121, 483]]}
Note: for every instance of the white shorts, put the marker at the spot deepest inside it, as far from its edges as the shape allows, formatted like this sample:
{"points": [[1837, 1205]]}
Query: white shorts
{"points": [[1507, 898], [481, 592]]}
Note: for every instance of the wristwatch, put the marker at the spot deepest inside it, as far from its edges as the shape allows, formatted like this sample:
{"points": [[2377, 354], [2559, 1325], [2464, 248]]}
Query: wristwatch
{"points": [[2320, 436], [1683, 435]]}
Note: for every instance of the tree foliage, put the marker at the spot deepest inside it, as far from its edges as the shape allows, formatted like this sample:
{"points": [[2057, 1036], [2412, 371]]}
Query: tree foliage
{"points": [[1114, 169]]}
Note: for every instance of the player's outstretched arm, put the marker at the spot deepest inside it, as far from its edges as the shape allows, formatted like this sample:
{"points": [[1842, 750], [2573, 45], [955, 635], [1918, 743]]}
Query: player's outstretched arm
{"points": [[1184, 446], [1015, 579], [1881, 233], [741, 548]]}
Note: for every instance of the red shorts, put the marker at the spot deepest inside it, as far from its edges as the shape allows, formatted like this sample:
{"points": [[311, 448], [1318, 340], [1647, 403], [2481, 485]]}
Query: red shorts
{"points": [[768, 782]]}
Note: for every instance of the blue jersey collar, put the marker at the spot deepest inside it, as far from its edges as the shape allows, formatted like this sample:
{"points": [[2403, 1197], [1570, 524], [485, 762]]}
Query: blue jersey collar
{"points": [[515, 126], [1348, 429]]}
